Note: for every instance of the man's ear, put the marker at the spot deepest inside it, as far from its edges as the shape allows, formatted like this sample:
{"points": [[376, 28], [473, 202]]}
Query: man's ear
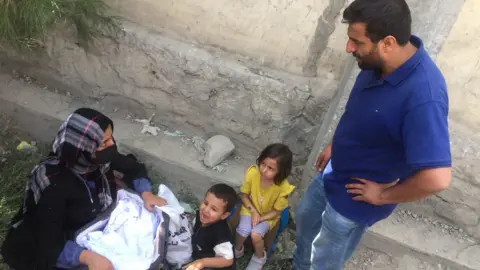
{"points": [[225, 215]]}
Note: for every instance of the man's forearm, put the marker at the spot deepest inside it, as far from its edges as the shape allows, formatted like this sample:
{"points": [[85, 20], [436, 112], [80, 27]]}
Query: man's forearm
{"points": [[419, 186]]}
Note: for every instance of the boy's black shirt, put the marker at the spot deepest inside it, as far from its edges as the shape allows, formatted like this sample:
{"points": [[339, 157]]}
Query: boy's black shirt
{"points": [[204, 239]]}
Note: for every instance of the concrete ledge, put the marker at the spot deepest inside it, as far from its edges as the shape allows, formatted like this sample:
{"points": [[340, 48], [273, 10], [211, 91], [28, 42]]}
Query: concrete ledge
{"points": [[429, 239], [41, 112]]}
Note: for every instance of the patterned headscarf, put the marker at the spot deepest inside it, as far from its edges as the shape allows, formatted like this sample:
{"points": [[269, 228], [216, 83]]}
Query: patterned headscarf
{"points": [[78, 137]]}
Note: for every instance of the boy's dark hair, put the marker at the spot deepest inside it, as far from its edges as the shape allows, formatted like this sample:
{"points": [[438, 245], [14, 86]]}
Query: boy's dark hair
{"points": [[284, 157], [382, 18], [226, 193]]}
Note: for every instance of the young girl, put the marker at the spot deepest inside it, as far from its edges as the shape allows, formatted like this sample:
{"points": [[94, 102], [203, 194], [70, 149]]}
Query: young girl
{"points": [[264, 196]]}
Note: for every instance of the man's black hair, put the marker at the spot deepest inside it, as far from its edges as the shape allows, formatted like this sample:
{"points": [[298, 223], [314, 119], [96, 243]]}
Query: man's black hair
{"points": [[382, 18], [284, 157], [225, 193]]}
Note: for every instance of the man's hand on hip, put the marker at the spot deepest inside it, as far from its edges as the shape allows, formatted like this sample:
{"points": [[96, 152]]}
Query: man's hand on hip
{"points": [[369, 191]]}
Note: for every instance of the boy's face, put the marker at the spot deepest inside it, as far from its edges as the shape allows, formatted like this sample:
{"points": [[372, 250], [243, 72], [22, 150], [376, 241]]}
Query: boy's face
{"points": [[212, 209]]}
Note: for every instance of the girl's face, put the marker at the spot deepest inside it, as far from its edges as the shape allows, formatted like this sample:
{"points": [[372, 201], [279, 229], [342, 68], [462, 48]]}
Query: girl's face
{"points": [[269, 168]]}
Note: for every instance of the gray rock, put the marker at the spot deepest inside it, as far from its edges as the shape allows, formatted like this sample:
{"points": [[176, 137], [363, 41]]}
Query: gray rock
{"points": [[217, 149]]}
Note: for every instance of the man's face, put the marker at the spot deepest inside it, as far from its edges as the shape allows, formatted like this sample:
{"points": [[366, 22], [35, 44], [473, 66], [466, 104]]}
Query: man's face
{"points": [[362, 48]]}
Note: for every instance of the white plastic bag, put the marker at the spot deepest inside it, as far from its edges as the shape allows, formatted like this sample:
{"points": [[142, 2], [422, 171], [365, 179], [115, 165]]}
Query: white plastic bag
{"points": [[179, 238]]}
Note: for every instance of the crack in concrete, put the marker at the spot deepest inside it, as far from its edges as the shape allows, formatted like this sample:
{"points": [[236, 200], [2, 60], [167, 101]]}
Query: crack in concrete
{"points": [[325, 27]]}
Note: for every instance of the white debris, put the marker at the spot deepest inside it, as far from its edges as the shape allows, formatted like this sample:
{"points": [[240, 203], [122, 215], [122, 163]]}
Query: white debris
{"points": [[145, 122], [150, 129], [217, 149], [147, 126]]}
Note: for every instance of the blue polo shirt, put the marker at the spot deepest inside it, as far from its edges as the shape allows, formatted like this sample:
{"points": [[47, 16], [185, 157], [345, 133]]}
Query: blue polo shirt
{"points": [[391, 128]]}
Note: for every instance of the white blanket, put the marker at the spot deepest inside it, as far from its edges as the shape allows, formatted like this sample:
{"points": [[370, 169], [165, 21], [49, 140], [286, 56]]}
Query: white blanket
{"points": [[128, 238]]}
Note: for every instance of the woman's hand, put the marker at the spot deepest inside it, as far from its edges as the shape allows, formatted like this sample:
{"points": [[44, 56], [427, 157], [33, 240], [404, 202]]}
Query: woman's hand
{"points": [[196, 265], [95, 261], [151, 200], [255, 218]]}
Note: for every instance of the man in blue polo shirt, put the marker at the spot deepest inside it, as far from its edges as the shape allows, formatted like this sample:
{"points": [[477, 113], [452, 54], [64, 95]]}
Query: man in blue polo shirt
{"points": [[391, 144]]}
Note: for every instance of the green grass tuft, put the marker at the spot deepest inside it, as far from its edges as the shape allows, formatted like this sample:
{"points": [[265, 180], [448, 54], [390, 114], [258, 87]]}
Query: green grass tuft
{"points": [[24, 23]]}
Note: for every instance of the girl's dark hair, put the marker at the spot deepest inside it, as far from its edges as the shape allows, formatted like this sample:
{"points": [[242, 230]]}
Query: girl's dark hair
{"points": [[284, 157]]}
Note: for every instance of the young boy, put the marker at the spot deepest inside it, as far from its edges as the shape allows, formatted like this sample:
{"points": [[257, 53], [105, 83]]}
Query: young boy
{"points": [[212, 240]]}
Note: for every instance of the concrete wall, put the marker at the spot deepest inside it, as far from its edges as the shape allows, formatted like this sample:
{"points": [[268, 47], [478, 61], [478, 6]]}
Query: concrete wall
{"points": [[196, 87], [275, 33], [460, 62]]}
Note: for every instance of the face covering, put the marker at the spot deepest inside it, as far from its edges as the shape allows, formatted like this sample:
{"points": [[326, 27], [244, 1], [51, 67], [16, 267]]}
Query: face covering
{"points": [[106, 155]]}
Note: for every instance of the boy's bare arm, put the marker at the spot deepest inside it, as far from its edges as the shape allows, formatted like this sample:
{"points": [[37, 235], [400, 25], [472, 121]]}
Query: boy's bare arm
{"points": [[215, 262], [270, 215]]}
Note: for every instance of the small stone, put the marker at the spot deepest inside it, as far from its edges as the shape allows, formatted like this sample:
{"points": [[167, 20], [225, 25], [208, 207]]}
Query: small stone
{"points": [[217, 149], [198, 143], [222, 167]]}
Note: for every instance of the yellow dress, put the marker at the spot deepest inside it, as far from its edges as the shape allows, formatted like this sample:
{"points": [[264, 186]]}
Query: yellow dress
{"points": [[265, 199]]}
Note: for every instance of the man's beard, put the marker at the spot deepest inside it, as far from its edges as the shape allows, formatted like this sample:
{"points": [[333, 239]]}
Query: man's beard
{"points": [[364, 64]]}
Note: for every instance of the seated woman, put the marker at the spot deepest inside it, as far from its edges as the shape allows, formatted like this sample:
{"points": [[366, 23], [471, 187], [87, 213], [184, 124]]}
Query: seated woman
{"points": [[73, 185]]}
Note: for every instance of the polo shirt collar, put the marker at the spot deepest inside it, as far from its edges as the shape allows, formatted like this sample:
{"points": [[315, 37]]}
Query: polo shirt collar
{"points": [[404, 70]]}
